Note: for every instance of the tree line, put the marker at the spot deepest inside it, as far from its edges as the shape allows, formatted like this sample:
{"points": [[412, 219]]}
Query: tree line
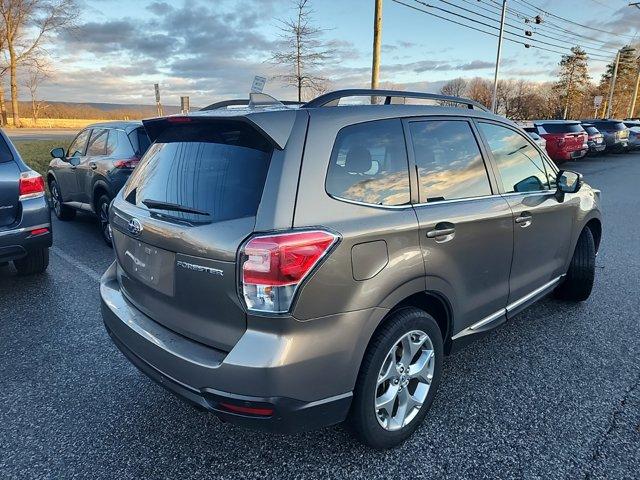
{"points": [[570, 96]]}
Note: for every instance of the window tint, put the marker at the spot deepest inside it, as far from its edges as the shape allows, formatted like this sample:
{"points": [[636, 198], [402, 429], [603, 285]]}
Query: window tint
{"points": [[215, 169], [112, 142], [139, 140], [610, 126], [562, 127], [77, 147], [369, 164], [521, 166], [5, 153], [449, 162], [592, 130], [98, 142]]}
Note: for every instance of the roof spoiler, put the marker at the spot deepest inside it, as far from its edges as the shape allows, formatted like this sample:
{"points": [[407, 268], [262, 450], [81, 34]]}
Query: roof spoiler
{"points": [[276, 126]]}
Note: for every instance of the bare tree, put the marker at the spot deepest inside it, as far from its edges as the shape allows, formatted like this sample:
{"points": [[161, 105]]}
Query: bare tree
{"points": [[302, 51], [37, 74], [454, 88], [26, 25]]}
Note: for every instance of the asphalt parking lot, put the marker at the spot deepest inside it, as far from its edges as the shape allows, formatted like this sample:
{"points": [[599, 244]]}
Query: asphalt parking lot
{"points": [[552, 394]]}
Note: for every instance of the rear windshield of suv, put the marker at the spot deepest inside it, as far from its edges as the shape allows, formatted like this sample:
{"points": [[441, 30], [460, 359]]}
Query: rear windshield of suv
{"points": [[610, 126], [592, 130], [212, 171], [562, 127]]}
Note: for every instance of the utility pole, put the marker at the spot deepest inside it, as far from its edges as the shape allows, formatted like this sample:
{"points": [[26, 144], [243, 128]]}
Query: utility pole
{"points": [[632, 107], [613, 85], [494, 104], [377, 42]]}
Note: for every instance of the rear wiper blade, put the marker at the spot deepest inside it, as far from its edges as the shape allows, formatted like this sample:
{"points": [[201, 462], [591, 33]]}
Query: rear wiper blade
{"points": [[173, 207]]}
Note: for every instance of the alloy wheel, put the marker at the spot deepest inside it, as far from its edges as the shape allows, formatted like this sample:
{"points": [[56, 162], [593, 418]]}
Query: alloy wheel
{"points": [[104, 220], [55, 199], [404, 380]]}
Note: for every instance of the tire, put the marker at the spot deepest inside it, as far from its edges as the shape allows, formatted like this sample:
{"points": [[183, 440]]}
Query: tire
{"points": [[61, 211], [36, 261], [372, 425], [578, 282], [102, 209]]}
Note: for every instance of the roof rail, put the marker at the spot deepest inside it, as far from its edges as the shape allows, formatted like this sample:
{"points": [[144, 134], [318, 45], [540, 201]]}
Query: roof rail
{"points": [[240, 102], [332, 98]]}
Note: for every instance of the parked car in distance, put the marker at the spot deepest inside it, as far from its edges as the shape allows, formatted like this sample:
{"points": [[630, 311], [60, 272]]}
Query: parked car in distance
{"points": [[25, 219], [566, 139], [595, 139], [87, 175], [634, 133], [616, 134], [290, 269], [541, 142]]}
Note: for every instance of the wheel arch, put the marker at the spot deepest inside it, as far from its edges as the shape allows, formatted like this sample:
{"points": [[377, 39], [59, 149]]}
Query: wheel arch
{"points": [[100, 187], [595, 225]]}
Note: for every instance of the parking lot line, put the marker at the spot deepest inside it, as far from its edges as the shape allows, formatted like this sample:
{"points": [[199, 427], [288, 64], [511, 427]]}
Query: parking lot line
{"points": [[80, 266]]}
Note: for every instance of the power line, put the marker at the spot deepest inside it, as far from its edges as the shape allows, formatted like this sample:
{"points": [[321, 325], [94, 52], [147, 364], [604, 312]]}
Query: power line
{"points": [[549, 23], [565, 35], [413, 7], [525, 2], [529, 42], [514, 26]]}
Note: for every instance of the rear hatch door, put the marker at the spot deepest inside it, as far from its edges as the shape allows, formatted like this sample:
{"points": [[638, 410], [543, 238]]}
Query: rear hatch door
{"points": [[9, 187], [180, 219]]}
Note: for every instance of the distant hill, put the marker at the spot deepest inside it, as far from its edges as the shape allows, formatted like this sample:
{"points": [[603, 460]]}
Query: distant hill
{"points": [[103, 111]]}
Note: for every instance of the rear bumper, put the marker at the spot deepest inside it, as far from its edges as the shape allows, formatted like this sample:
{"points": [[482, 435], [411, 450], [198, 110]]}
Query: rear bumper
{"points": [[597, 147], [256, 373], [17, 241]]}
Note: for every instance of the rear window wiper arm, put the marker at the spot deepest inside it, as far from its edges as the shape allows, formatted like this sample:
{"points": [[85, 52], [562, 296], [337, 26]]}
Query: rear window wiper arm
{"points": [[173, 207]]}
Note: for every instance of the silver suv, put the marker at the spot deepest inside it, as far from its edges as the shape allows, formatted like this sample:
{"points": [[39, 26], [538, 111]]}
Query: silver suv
{"points": [[292, 268]]}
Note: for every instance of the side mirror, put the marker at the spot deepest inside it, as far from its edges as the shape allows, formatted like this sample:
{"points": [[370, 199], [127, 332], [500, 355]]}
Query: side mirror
{"points": [[568, 181], [58, 153]]}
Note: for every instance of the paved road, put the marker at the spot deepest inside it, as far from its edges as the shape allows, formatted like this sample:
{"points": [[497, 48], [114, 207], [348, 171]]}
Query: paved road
{"points": [[553, 394], [40, 133]]}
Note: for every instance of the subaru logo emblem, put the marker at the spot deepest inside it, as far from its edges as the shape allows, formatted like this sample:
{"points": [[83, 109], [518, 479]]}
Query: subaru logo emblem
{"points": [[135, 227]]}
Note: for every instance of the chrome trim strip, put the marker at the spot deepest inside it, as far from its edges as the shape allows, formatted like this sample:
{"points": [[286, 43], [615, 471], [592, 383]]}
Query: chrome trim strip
{"points": [[503, 311], [536, 292], [486, 320], [16, 231]]}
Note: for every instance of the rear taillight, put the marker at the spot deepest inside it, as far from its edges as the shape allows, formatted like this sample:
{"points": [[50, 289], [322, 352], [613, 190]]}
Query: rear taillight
{"points": [[127, 163], [274, 266], [31, 185]]}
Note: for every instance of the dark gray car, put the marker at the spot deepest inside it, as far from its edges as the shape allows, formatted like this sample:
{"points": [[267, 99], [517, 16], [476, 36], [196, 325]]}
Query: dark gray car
{"points": [[25, 220], [290, 269], [88, 174]]}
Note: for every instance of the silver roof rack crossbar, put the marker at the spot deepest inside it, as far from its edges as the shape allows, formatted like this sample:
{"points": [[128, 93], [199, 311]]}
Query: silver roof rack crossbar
{"points": [[332, 98]]}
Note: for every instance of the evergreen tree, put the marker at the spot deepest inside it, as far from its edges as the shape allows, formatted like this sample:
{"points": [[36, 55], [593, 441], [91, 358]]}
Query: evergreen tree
{"points": [[625, 81], [573, 82]]}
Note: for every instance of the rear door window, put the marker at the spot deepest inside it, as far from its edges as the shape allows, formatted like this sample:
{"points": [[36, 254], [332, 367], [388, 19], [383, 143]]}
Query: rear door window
{"points": [[212, 171], [520, 164], [369, 164], [112, 142], [97, 145], [449, 161], [78, 146]]}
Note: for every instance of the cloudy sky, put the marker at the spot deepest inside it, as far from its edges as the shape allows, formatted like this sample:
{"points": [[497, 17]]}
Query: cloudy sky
{"points": [[211, 49]]}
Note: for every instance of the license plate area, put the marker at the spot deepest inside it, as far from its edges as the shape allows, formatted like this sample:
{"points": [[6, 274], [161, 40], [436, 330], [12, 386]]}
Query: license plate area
{"points": [[145, 263]]}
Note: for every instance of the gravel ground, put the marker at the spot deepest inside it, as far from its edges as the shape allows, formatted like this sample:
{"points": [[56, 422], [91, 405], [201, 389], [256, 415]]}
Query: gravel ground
{"points": [[552, 394]]}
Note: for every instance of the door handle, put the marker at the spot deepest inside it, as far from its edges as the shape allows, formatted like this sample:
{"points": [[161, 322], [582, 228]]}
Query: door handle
{"points": [[524, 219], [93, 165], [442, 229]]}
